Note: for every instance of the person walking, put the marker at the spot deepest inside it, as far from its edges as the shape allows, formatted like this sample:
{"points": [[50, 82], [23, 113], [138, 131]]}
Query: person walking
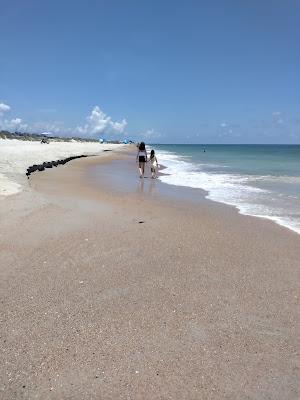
{"points": [[141, 158]]}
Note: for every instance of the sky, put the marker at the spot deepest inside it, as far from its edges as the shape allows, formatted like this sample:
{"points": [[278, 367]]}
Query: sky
{"points": [[223, 71]]}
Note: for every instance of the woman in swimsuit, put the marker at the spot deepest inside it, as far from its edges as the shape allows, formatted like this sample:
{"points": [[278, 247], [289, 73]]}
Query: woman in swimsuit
{"points": [[141, 157]]}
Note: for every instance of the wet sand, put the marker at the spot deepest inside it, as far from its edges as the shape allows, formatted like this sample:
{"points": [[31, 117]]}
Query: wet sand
{"points": [[113, 288]]}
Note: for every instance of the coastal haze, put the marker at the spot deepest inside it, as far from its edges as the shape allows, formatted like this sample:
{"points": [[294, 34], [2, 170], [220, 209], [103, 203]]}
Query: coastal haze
{"points": [[119, 285]]}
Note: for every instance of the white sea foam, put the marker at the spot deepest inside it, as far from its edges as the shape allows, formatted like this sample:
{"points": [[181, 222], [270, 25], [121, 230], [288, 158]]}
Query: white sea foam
{"points": [[234, 189], [17, 155]]}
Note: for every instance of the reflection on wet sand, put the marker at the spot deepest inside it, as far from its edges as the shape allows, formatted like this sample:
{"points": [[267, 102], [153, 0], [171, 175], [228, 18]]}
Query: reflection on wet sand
{"points": [[146, 188]]}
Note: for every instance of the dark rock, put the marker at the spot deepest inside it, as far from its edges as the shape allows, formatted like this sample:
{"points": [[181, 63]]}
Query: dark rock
{"points": [[32, 168], [50, 164]]}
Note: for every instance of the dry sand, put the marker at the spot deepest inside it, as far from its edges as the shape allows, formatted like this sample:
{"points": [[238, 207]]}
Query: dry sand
{"points": [[196, 302], [17, 155]]}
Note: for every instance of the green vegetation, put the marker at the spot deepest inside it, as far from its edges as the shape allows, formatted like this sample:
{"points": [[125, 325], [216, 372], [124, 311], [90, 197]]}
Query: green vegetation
{"points": [[39, 137]]}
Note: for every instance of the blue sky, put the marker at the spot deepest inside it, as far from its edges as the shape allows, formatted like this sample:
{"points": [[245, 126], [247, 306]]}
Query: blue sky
{"points": [[164, 71]]}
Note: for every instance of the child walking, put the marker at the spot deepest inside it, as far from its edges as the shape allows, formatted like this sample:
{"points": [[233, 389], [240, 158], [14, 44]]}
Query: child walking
{"points": [[154, 164]]}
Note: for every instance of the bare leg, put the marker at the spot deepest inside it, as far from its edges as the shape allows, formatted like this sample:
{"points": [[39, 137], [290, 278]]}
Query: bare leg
{"points": [[142, 169]]}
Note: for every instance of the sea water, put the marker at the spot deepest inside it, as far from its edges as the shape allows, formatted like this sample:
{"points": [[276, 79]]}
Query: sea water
{"points": [[260, 180]]}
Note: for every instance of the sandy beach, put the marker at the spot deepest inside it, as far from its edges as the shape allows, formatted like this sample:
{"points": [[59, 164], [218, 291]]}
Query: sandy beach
{"points": [[118, 288], [17, 155]]}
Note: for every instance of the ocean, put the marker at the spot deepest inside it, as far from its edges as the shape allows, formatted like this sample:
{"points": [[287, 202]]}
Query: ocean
{"points": [[259, 180]]}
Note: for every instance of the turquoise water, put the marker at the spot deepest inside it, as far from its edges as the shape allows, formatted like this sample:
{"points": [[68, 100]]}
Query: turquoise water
{"points": [[260, 180]]}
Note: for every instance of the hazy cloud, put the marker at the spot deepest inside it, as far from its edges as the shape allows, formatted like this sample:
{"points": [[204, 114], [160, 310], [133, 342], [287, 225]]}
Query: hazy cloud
{"points": [[10, 124], [17, 122], [277, 117], [46, 110], [56, 127], [150, 134], [4, 108], [13, 124]]}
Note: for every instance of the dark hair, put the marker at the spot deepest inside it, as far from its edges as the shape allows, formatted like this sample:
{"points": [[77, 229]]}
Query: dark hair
{"points": [[152, 154], [142, 146]]}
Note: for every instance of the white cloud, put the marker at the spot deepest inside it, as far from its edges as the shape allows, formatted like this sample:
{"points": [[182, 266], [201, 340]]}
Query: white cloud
{"points": [[4, 108], [97, 123], [17, 124], [223, 125], [100, 123], [16, 121], [276, 113]]}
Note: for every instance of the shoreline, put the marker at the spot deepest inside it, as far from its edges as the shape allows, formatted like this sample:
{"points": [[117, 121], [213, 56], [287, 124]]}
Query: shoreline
{"points": [[112, 290], [263, 194], [186, 193]]}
